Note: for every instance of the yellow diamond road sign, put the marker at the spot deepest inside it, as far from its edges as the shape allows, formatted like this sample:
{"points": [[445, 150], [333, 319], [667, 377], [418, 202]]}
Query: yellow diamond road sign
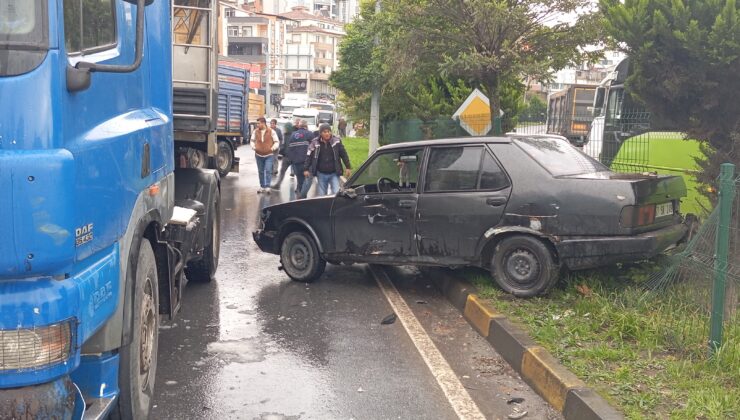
{"points": [[475, 114]]}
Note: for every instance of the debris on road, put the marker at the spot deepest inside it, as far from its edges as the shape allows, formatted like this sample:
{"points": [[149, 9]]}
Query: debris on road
{"points": [[421, 302], [389, 319], [515, 400], [517, 415]]}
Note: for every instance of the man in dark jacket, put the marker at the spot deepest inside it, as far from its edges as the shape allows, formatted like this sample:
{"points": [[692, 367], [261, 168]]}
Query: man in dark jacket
{"points": [[326, 153], [285, 163], [296, 150], [279, 132]]}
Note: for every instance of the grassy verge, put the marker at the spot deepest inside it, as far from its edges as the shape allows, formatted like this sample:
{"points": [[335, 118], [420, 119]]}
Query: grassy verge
{"points": [[647, 356], [357, 148]]}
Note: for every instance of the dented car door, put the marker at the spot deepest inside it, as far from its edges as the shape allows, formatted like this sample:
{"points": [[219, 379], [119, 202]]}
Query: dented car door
{"points": [[465, 193], [375, 222]]}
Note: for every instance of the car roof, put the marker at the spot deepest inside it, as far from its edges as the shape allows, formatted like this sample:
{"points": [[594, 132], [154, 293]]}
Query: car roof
{"points": [[450, 141], [468, 140]]}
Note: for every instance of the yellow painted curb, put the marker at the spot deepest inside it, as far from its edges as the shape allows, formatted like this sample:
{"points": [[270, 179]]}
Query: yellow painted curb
{"points": [[548, 377], [479, 314]]}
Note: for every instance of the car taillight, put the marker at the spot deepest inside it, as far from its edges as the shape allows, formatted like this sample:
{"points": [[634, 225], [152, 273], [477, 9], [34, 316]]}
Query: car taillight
{"points": [[35, 348], [634, 216], [579, 127]]}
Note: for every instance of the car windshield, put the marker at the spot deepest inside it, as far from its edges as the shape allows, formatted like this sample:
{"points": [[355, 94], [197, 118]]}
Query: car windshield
{"points": [[23, 35], [288, 108], [559, 157], [390, 172]]}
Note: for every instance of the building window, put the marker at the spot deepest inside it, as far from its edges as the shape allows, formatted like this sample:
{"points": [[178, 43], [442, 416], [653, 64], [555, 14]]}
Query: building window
{"points": [[246, 31], [230, 12], [296, 38], [233, 30]]}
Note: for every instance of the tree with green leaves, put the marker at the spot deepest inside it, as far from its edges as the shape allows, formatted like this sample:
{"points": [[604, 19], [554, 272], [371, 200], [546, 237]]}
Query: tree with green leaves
{"points": [[685, 56], [490, 43]]}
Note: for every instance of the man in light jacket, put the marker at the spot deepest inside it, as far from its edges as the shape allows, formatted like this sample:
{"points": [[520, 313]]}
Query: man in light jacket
{"points": [[264, 142]]}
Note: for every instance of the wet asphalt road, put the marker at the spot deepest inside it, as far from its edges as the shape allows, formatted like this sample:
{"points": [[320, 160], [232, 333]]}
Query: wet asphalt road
{"points": [[255, 345]]}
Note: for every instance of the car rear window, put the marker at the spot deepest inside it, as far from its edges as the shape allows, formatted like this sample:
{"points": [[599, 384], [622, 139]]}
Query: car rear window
{"points": [[559, 157]]}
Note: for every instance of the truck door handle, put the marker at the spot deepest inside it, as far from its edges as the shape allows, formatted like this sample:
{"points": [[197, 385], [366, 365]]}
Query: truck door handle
{"points": [[496, 201], [406, 204], [369, 199]]}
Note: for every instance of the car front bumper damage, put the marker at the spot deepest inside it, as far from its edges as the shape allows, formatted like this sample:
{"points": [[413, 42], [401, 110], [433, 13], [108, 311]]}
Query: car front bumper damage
{"points": [[266, 241]]}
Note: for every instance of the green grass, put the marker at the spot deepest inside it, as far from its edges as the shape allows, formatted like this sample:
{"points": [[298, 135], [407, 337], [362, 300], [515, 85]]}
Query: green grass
{"points": [[669, 150], [647, 356], [357, 148]]}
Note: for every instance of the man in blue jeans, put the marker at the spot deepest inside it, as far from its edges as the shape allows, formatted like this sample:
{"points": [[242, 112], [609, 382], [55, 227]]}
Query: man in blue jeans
{"points": [[264, 142], [326, 153]]}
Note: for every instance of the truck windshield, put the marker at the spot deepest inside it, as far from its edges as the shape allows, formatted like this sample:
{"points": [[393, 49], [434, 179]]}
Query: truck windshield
{"points": [[24, 35]]}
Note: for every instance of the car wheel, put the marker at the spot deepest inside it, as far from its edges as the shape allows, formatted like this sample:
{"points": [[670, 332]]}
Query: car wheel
{"points": [[524, 266], [300, 257], [138, 366]]}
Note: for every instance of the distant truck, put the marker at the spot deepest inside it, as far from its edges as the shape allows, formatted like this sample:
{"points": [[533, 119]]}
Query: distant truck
{"points": [[291, 102], [232, 126], [568, 113], [617, 116], [311, 116], [196, 81], [327, 111]]}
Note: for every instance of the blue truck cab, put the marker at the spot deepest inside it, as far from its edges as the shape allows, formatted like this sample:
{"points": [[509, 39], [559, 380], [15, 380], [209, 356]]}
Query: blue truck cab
{"points": [[101, 222]]}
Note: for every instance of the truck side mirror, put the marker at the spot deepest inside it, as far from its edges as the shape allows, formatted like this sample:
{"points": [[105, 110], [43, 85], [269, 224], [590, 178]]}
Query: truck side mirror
{"points": [[78, 77]]}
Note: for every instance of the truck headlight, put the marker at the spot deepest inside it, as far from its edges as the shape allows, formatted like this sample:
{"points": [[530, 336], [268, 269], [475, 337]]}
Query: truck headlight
{"points": [[35, 348]]}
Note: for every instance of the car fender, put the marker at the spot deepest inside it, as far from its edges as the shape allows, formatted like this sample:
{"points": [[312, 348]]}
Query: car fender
{"points": [[295, 220], [493, 233]]}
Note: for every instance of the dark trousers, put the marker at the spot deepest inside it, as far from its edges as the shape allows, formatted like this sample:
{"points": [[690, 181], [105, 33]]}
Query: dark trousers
{"points": [[285, 163]]}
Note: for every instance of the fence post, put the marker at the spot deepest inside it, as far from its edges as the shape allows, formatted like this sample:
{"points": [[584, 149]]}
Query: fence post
{"points": [[726, 193]]}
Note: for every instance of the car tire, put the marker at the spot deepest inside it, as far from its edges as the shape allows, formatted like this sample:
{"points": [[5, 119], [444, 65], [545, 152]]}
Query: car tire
{"points": [[524, 266], [300, 257], [204, 269], [138, 368]]}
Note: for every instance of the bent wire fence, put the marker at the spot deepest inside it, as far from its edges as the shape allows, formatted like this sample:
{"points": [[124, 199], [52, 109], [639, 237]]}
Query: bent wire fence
{"points": [[701, 283]]}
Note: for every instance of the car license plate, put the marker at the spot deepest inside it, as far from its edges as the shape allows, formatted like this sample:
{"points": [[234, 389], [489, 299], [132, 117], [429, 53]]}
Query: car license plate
{"points": [[665, 209]]}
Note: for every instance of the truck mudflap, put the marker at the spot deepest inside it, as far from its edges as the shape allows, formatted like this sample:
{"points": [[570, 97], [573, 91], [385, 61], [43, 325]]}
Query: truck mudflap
{"points": [[52, 400]]}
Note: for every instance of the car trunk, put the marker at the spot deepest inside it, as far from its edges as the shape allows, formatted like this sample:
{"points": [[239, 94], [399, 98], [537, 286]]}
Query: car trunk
{"points": [[637, 203]]}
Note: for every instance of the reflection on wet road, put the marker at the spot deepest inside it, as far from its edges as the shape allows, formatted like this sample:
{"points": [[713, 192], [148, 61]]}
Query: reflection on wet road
{"points": [[255, 345]]}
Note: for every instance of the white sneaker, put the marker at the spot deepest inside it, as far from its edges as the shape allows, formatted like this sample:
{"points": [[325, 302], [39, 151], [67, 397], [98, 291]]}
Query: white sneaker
{"points": [[260, 191], [267, 191]]}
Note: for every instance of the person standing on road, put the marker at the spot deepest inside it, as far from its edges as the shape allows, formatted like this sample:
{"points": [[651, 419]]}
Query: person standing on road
{"points": [[324, 159], [285, 163], [279, 132], [296, 151], [264, 142], [342, 126]]}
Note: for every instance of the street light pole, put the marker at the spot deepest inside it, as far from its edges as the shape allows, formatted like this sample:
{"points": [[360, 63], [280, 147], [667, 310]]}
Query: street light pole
{"points": [[375, 105]]}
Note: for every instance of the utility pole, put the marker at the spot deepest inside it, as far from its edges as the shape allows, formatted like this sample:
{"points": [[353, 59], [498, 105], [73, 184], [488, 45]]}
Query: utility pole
{"points": [[375, 104]]}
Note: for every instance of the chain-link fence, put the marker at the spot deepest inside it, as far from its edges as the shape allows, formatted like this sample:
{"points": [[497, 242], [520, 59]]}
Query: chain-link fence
{"points": [[697, 294]]}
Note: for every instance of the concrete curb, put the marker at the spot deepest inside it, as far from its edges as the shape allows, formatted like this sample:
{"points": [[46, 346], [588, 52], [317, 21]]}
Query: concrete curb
{"points": [[552, 381]]}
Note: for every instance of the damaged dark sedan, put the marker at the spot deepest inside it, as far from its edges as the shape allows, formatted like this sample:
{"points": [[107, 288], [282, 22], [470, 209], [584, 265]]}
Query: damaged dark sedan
{"points": [[523, 207]]}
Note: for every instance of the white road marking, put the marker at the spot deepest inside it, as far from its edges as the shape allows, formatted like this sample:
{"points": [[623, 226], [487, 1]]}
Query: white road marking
{"points": [[453, 389]]}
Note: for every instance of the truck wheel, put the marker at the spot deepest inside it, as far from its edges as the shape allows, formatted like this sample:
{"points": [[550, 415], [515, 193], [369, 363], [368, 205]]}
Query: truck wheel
{"points": [[524, 266], [224, 159], [138, 367], [204, 269], [300, 257]]}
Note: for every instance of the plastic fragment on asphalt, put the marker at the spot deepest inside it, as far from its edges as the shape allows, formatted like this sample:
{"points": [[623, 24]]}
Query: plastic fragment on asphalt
{"points": [[517, 415], [515, 400], [389, 319]]}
